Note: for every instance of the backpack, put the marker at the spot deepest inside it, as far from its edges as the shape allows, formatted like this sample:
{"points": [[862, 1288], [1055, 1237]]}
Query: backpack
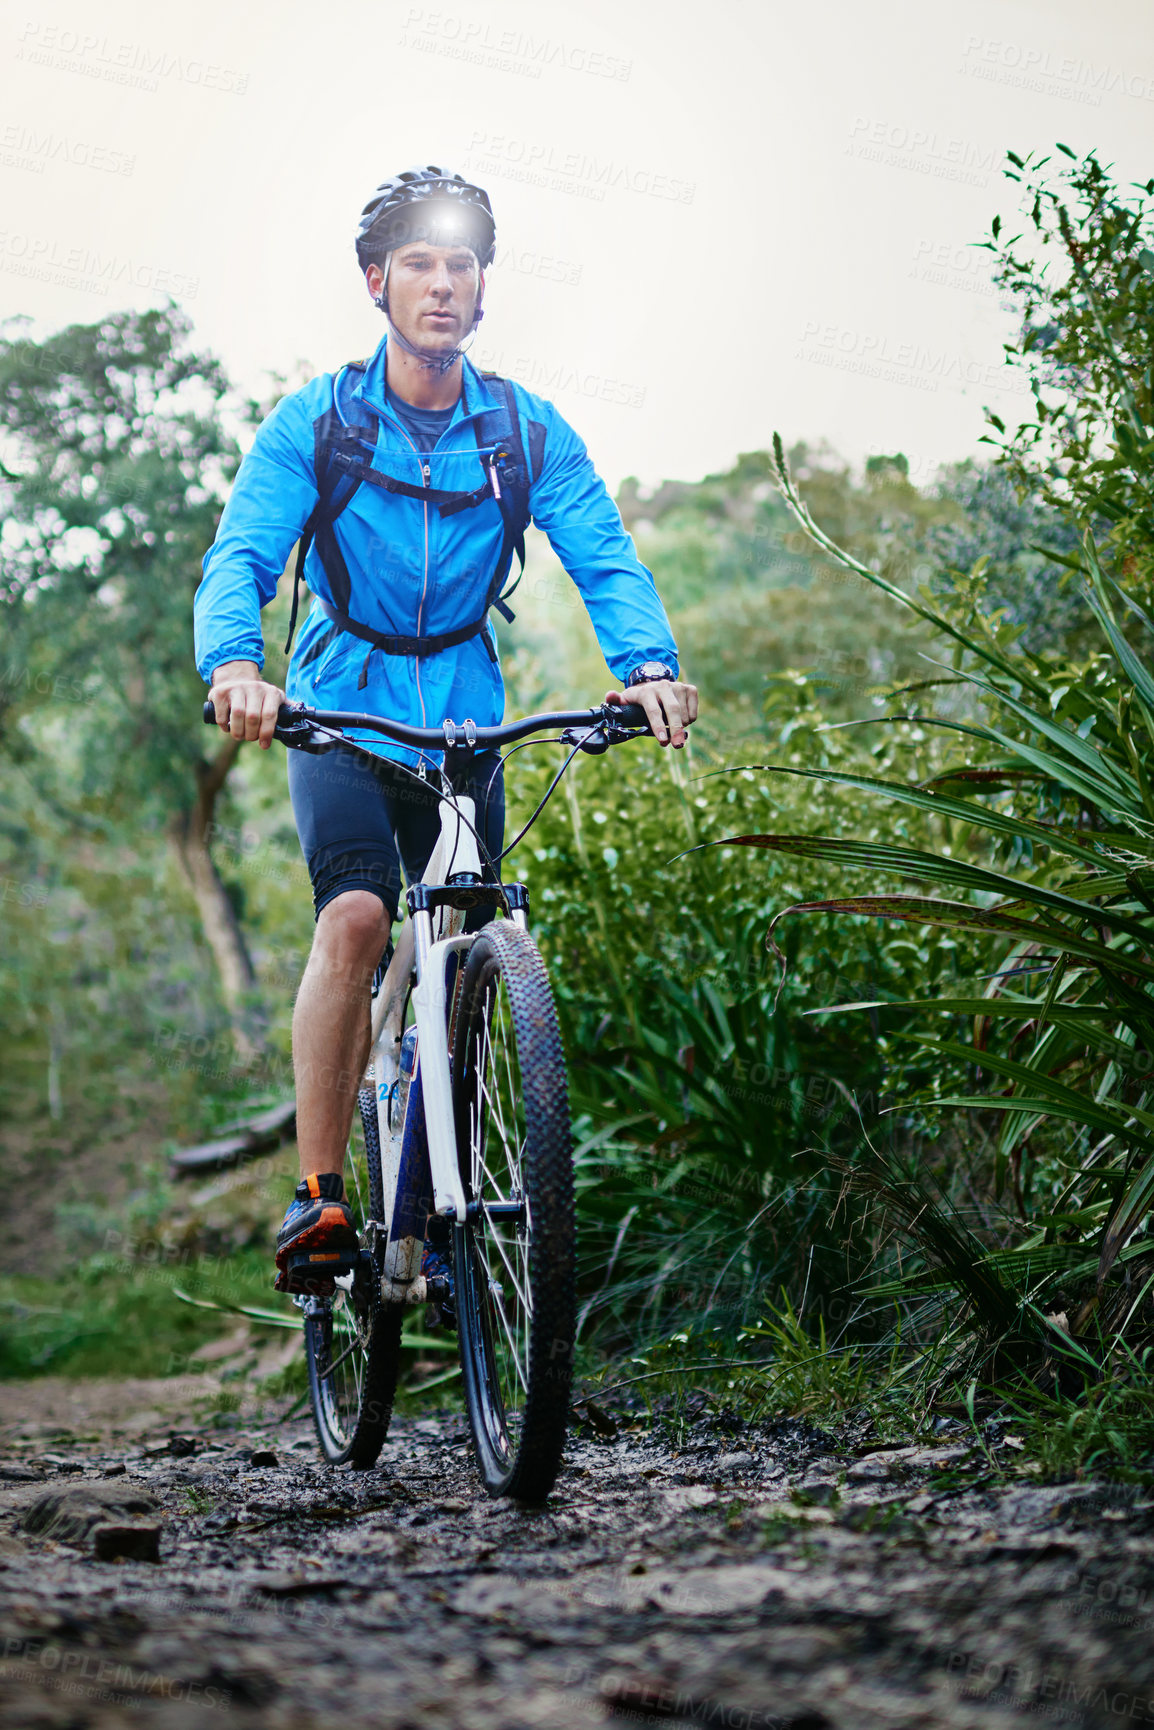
{"points": [[341, 468]]}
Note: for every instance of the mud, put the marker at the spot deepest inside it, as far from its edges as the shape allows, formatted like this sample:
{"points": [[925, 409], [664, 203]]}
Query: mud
{"points": [[714, 1575]]}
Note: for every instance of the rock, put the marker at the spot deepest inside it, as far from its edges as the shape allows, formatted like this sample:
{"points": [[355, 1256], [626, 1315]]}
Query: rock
{"points": [[14, 1474], [70, 1512], [262, 1457], [897, 1462], [135, 1543], [734, 1462], [282, 1584], [821, 1491]]}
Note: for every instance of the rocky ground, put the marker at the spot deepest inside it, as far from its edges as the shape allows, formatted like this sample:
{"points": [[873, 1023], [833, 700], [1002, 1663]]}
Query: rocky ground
{"points": [[159, 1570]]}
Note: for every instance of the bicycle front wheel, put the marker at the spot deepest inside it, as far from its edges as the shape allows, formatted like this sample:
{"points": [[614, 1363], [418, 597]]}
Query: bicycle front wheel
{"points": [[353, 1340], [515, 1252]]}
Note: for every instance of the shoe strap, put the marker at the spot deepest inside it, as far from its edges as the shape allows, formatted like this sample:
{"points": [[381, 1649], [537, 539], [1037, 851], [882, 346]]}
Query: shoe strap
{"points": [[327, 1186]]}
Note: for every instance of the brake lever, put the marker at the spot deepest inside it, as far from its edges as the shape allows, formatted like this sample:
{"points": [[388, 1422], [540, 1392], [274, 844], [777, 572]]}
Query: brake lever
{"points": [[625, 721], [294, 729], [593, 740], [301, 734]]}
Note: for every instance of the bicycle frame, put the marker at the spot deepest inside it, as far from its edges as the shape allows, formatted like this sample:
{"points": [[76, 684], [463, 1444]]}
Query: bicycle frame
{"points": [[420, 1172], [420, 1155]]}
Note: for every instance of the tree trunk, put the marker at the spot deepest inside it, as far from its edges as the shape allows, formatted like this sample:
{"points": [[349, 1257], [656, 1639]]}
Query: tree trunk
{"points": [[190, 834]]}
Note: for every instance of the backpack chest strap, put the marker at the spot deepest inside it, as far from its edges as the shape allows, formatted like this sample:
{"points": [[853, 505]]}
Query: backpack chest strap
{"points": [[449, 503], [392, 644]]}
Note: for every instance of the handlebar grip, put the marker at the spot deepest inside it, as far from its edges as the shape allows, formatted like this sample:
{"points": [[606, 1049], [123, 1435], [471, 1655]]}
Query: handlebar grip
{"points": [[209, 713], [630, 715]]}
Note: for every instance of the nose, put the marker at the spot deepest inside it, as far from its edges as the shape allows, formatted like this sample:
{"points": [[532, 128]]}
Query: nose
{"points": [[442, 283]]}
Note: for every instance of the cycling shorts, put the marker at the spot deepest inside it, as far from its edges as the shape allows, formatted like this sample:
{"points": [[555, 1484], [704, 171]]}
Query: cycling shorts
{"points": [[361, 821]]}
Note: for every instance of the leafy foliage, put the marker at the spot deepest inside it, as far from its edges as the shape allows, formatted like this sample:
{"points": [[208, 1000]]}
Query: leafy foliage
{"points": [[1051, 818]]}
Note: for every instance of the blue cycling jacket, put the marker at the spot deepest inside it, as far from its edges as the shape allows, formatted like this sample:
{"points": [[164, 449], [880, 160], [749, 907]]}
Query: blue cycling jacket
{"points": [[413, 571]]}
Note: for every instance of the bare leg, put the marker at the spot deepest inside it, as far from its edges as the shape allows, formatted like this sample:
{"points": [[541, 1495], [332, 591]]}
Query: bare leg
{"points": [[331, 1025]]}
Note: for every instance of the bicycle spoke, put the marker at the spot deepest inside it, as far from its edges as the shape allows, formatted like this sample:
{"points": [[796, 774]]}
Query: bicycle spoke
{"points": [[353, 1344], [497, 1304], [522, 1291]]}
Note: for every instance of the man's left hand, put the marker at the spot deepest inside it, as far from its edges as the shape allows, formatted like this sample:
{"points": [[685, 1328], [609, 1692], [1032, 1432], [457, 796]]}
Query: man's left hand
{"points": [[670, 707]]}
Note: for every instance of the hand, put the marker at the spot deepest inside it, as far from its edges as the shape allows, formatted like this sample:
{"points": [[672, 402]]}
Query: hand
{"points": [[670, 707], [246, 706]]}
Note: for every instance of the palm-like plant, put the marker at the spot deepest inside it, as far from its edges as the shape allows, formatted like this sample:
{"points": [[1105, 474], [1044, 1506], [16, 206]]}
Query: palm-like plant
{"points": [[1049, 815]]}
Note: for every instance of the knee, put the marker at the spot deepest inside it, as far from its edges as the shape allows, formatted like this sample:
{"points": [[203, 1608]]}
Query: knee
{"points": [[354, 929]]}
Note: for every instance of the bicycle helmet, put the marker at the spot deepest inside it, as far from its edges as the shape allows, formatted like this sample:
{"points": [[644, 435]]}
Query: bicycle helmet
{"points": [[429, 204]]}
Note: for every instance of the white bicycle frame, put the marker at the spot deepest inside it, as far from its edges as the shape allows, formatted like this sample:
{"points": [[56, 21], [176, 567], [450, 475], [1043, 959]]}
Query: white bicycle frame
{"points": [[425, 944]]}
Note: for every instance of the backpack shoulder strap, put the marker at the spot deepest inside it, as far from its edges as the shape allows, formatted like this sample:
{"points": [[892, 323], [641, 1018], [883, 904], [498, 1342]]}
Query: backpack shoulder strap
{"points": [[501, 428], [334, 432]]}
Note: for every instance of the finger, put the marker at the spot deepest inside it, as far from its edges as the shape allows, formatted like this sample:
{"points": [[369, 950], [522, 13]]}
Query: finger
{"points": [[671, 704], [253, 713], [617, 697], [220, 704], [237, 714], [268, 716], [646, 695], [689, 704]]}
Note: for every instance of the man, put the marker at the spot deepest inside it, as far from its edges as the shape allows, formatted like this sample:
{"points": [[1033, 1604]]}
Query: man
{"points": [[405, 552]]}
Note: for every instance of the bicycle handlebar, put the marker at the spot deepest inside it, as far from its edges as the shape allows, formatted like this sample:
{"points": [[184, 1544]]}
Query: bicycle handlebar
{"points": [[613, 721]]}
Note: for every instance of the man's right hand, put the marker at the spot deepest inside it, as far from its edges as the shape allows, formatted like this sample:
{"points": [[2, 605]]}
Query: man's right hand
{"points": [[246, 707]]}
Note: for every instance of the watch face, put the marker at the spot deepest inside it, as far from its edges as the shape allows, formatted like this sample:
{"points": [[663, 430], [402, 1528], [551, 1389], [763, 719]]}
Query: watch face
{"points": [[653, 670]]}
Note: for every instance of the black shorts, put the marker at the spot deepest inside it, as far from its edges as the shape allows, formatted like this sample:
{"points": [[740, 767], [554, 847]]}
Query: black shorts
{"points": [[360, 821]]}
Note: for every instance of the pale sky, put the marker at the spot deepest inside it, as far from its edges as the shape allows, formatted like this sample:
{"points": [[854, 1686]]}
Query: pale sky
{"points": [[713, 221]]}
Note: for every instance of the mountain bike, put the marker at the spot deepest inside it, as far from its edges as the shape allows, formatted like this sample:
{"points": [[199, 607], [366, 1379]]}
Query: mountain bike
{"points": [[464, 1119]]}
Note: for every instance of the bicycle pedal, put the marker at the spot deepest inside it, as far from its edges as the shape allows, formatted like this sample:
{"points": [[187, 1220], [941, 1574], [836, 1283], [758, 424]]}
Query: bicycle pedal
{"points": [[441, 1312], [314, 1272]]}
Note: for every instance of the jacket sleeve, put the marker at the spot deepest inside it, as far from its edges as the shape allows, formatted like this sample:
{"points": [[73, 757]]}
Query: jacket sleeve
{"points": [[571, 502], [272, 496]]}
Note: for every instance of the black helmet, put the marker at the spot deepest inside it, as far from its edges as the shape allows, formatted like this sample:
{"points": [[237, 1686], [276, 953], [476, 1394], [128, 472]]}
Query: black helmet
{"points": [[430, 204]]}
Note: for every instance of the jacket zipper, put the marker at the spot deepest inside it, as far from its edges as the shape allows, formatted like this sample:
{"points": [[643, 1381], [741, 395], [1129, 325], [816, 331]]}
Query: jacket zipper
{"points": [[426, 470]]}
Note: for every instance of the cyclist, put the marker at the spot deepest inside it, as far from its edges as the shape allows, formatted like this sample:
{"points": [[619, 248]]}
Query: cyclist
{"points": [[403, 571]]}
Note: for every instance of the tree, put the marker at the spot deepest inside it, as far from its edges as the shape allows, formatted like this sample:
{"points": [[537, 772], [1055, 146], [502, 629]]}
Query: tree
{"points": [[1082, 278], [116, 457]]}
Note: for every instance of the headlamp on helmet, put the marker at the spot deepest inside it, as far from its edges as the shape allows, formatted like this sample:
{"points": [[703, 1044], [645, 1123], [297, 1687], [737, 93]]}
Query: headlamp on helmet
{"points": [[430, 206]]}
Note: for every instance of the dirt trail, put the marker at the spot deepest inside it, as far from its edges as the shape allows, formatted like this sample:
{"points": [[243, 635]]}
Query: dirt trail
{"points": [[748, 1577]]}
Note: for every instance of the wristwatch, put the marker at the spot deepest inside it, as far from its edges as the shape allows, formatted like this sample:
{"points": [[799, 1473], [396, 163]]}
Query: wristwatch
{"points": [[648, 673]]}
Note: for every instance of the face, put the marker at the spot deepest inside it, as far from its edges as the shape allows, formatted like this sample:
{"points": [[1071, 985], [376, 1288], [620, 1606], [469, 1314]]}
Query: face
{"points": [[433, 291]]}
